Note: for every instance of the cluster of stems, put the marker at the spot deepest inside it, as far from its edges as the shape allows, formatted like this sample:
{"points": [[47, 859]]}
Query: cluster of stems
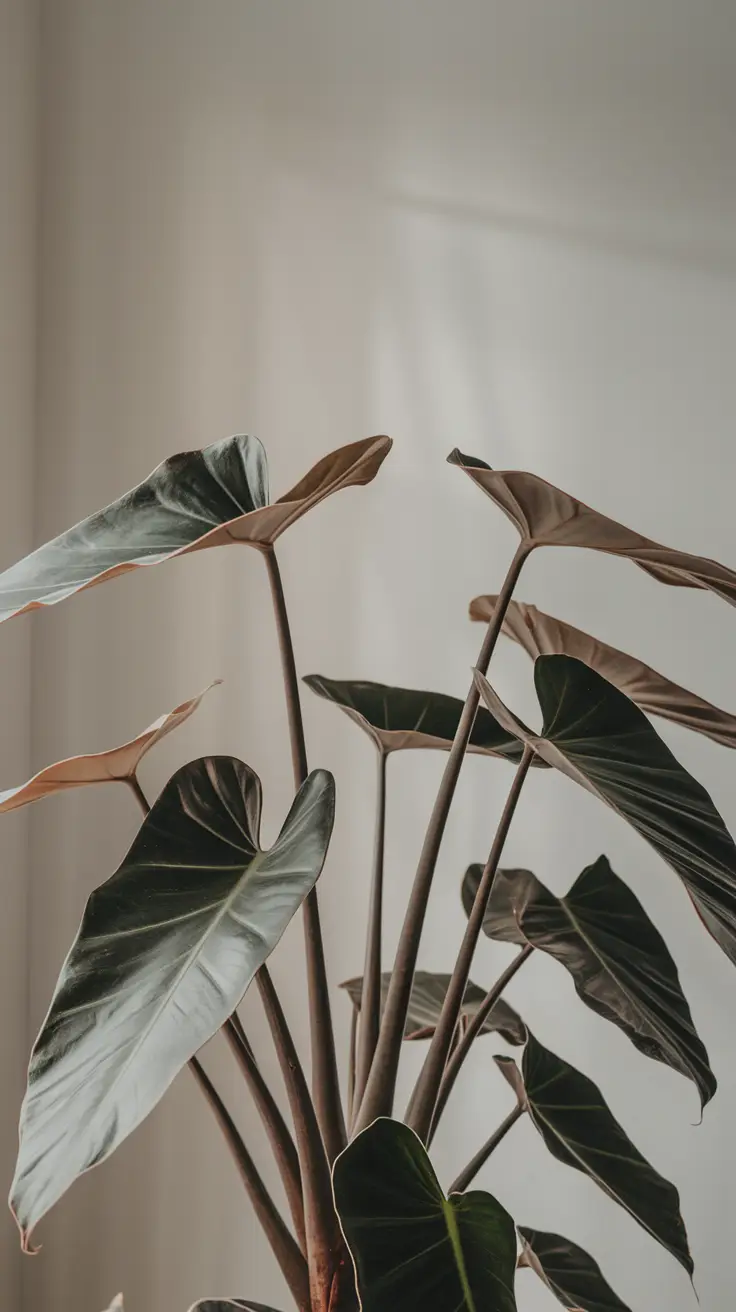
{"points": [[312, 1254]]}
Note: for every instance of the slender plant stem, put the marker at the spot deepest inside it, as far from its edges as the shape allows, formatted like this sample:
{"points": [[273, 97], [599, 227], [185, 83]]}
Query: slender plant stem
{"points": [[421, 1111], [282, 1144], [351, 1062], [323, 1234], [284, 1246], [379, 1094], [138, 793], [469, 1173], [325, 1079], [472, 1030], [370, 1002]]}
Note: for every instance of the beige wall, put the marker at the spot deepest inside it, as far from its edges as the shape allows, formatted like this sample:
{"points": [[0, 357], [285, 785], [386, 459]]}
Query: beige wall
{"points": [[506, 227], [18, 87]]}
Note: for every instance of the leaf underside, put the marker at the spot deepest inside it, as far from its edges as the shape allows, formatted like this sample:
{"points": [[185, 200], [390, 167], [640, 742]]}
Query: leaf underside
{"points": [[545, 516], [414, 1249], [196, 499], [618, 960], [543, 635], [112, 766], [166, 949], [404, 719]]}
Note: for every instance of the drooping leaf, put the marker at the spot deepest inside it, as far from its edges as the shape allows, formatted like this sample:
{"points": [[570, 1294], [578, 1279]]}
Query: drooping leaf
{"points": [[619, 962], [413, 1248], [569, 1272], [543, 635], [166, 949], [113, 766], [599, 738], [547, 517], [427, 996], [207, 498], [579, 1129], [401, 719], [230, 1305]]}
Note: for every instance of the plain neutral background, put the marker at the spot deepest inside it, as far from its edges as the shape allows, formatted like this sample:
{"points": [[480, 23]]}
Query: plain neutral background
{"points": [[508, 227]]}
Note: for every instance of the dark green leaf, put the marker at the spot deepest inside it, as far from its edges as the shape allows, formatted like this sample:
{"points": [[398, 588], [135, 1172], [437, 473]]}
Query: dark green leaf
{"points": [[618, 960], [545, 516], [543, 635], [414, 1249], [166, 950], [594, 734], [571, 1273], [427, 996], [197, 499], [580, 1130], [401, 719]]}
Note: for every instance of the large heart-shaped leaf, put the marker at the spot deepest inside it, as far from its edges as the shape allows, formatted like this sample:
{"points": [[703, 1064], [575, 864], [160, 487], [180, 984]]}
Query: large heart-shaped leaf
{"points": [[578, 1127], [618, 960], [400, 719], [197, 499], [547, 517], [166, 949], [230, 1305], [569, 1272], [594, 734], [427, 996], [113, 766], [413, 1248], [543, 635]]}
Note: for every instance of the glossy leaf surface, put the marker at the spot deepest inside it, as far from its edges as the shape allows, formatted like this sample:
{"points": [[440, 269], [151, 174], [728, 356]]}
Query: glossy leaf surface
{"points": [[427, 996], [569, 1272], [547, 517], [401, 719], [113, 766], [543, 635], [619, 962], [579, 1129], [599, 738], [207, 498], [166, 949], [414, 1249]]}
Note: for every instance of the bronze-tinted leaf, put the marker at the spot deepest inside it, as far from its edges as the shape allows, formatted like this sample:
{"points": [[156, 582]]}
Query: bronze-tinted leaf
{"points": [[569, 1272], [547, 517], [579, 1129], [427, 996], [207, 498], [113, 766], [166, 949], [599, 738], [618, 960], [413, 1249], [400, 719], [543, 635]]}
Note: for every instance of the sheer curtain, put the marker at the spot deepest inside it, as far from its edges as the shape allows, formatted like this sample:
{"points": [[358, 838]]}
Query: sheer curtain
{"points": [[503, 227]]}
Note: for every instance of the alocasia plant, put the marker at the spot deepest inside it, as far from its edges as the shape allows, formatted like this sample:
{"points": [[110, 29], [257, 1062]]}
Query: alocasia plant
{"points": [[170, 942]]}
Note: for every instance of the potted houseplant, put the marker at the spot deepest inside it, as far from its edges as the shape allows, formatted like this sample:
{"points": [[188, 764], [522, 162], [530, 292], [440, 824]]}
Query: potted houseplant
{"points": [[170, 942]]}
